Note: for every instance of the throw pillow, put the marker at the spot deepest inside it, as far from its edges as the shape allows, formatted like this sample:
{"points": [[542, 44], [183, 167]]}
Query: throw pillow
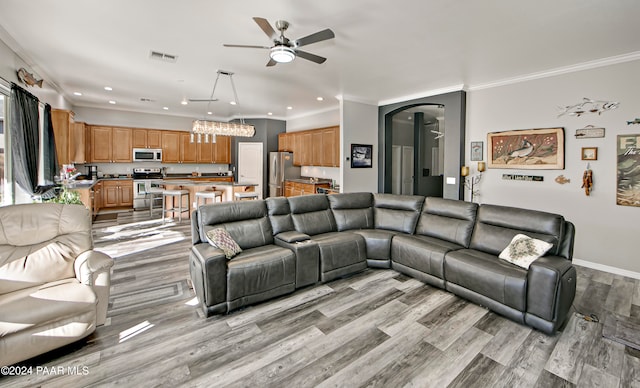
{"points": [[524, 250], [220, 238]]}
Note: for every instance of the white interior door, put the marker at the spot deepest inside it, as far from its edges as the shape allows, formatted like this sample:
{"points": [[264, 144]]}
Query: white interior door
{"points": [[250, 163], [396, 169], [407, 170]]}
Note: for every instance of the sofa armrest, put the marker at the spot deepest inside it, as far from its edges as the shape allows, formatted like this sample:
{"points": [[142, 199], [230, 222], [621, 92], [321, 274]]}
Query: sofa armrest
{"points": [[551, 288], [93, 269], [307, 259], [292, 236], [208, 271]]}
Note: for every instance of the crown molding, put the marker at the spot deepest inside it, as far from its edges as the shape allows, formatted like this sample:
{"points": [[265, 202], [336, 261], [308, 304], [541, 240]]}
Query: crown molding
{"points": [[426, 93], [634, 56]]}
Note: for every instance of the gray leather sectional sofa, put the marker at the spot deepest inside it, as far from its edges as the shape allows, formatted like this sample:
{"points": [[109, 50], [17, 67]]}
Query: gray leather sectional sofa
{"points": [[289, 243]]}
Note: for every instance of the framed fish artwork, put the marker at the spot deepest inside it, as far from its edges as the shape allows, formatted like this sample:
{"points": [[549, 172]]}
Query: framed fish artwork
{"points": [[526, 149], [628, 151]]}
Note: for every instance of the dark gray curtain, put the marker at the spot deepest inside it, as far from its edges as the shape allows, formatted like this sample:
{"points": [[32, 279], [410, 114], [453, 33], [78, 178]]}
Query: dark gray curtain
{"points": [[49, 143], [24, 138]]}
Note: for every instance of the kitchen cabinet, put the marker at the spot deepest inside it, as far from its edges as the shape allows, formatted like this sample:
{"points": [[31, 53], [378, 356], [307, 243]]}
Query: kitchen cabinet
{"points": [[97, 197], [292, 189], [188, 150], [117, 193], [62, 121], [222, 150], [78, 152], [314, 147], [109, 145], [205, 152], [146, 138], [170, 146]]}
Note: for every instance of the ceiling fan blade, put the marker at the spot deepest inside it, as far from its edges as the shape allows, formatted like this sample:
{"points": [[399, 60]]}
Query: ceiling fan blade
{"points": [[313, 38], [246, 46], [266, 27], [310, 57], [271, 63], [202, 99]]}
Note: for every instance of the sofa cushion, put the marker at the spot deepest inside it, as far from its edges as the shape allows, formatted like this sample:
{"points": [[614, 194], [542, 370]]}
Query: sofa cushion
{"points": [[524, 250], [339, 251], [487, 275], [378, 243], [422, 253], [249, 233], [448, 220], [311, 214], [497, 225], [259, 270], [230, 212], [220, 238], [279, 215], [352, 210], [397, 212], [43, 304]]}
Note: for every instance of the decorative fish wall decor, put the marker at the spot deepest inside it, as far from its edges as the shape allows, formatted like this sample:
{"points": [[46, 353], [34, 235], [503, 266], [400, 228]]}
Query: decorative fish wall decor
{"points": [[636, 121], [28, 79], [588, 106]]}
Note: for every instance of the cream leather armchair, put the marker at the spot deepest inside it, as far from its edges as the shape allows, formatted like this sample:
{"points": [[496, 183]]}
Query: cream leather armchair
{"points": [[54, 288]]}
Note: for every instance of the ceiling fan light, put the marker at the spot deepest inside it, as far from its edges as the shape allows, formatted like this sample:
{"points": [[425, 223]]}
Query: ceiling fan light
{"points": [[282, 54]]}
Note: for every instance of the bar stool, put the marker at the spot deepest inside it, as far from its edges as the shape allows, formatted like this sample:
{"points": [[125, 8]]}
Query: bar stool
{"points": [[207, 194], [154, 194], [246, 195], [173, 194]]}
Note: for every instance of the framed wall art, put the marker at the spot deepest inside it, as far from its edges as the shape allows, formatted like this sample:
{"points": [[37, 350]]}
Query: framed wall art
{"points": [[361, 156], [476, 151], [628, 151], [589, 153], [527, 149]]}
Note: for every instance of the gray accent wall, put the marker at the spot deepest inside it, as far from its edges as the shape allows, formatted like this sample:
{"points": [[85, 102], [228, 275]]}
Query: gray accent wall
{"points": [[454, 118], [267, 131]]}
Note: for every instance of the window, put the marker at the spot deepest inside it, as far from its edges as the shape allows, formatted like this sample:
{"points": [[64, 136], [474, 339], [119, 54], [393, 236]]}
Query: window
{"points": [[5, 195]]}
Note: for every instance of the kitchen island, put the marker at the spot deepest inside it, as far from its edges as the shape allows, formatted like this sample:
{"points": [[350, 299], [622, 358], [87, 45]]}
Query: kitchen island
{"points": [[228, 188]]}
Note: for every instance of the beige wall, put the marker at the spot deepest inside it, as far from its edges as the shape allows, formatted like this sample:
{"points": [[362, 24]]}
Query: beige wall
{"points": [[606, 234]]}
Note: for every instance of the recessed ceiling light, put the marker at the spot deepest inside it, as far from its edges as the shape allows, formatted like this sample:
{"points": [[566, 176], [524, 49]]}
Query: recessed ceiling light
{"points": [[165, 107], [77, 94], [184, 101], [289, 107], [112, 102], [209, 113], [320, 99], [270, 113], [409, 118], [233, 103], [108, 88]]}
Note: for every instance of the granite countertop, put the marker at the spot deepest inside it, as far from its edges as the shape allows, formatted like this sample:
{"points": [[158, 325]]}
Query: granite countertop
{"points": [[187, 182], [80, 185], [203, 175], [318, 181]]}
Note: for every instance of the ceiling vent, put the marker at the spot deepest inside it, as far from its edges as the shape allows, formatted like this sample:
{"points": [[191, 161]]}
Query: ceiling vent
{"points": [[144, 99], [163, 57]]}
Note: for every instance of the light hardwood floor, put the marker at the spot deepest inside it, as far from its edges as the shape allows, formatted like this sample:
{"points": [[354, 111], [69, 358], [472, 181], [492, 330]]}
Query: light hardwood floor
{"points": [[375, 329]]}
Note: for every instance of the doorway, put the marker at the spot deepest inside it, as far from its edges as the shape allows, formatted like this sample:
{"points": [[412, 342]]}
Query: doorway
{"points": [[250, 164], [417, 138]]}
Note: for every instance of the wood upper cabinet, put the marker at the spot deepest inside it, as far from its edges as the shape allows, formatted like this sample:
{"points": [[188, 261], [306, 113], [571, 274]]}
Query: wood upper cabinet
{"points": [[170, 146], [285, 142], [317, 149], [222, 150], [330, 147], [121, 150], [101, 144], [146, 138], [307, 147], [110, 145], [62, 123], [188, 150], [77, 143], [205, 152]]}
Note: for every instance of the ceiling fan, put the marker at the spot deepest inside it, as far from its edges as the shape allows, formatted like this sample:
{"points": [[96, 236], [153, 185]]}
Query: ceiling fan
{"points": [[285, 50]]}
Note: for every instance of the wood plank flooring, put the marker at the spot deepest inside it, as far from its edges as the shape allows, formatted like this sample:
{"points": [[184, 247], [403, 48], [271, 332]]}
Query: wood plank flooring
{"points": [[378, 328]]}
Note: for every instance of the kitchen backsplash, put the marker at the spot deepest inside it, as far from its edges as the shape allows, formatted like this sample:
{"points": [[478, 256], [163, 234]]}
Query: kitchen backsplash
{"points": [[322, 172], [172, 168]]}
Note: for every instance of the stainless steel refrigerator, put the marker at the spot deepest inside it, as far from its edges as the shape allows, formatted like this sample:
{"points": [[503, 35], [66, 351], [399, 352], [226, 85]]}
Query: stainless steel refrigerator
{"points": [[281, 168]]}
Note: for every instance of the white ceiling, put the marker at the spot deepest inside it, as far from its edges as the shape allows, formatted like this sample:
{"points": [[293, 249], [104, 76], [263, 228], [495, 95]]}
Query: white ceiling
{"points": [[384, 51]]}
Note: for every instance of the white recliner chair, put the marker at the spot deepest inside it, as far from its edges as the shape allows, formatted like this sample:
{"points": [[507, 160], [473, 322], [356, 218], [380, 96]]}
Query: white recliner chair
{"points": [[54, 288]]}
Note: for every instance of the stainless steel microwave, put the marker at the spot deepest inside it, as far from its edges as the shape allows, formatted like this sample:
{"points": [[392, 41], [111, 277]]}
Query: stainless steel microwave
{"points": [[147, 155]]}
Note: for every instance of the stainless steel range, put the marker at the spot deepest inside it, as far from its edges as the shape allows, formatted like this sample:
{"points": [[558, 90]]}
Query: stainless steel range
{"points": [[143, 180]]}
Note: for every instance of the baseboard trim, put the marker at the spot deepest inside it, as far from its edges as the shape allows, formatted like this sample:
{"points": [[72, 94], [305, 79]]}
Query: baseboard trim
{"points": [[607, 268]]}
